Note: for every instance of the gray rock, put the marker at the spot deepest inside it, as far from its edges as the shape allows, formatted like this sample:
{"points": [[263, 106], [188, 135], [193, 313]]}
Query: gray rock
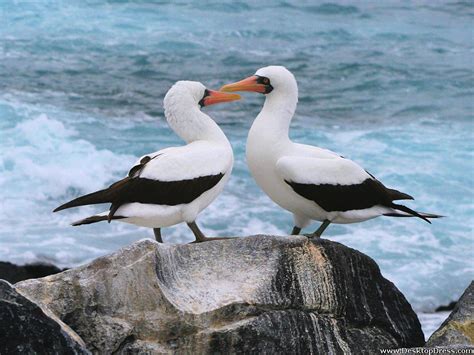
{"points": [[258, 294], [25, 328], [458, 329]]}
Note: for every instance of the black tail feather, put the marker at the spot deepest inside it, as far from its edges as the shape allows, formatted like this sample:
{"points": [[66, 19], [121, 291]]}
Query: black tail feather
{"points": [[101, 196], [426, 215], [94, 219], [411, 213]]}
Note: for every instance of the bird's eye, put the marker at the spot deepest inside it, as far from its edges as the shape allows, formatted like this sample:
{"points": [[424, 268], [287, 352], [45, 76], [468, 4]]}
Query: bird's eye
{"points": [[266, 81], [206, 94]]}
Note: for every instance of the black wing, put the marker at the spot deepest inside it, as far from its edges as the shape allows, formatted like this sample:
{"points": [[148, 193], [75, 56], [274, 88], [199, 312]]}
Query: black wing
{"points": [[133, 188], [158, 192], [342, 198], [142, 190]]}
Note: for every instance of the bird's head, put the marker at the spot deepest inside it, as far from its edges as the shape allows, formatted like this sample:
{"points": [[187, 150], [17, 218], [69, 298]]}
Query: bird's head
{"points": [[195, 94], [267, 80]]}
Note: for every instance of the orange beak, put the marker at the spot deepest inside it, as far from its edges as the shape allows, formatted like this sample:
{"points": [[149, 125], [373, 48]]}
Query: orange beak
{"points": [[216, 97], [249, 84]]}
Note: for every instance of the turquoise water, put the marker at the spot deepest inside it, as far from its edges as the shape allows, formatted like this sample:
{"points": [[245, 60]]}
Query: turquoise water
{"points": [[389, 85]]}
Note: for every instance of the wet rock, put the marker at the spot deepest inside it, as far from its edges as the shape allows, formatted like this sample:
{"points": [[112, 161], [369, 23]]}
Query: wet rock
{"points": [[458, 329], [14, 273], [258, 294], [25, 328]]}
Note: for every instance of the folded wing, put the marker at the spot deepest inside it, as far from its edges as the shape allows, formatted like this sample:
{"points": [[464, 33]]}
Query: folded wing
{"points": [[170, 177], [336, 184]]}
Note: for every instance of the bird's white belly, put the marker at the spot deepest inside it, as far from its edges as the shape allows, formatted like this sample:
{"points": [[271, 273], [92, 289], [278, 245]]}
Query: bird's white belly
{"points": [[263, 169], [149, 215]]}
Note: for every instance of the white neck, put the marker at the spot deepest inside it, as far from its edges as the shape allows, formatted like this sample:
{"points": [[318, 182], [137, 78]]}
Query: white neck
{"points": [[191, 124], [276, 115]]}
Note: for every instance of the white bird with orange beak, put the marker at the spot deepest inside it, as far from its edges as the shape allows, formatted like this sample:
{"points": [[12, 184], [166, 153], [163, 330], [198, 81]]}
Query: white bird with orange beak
{"points": [[172, 185], [311, 182]]}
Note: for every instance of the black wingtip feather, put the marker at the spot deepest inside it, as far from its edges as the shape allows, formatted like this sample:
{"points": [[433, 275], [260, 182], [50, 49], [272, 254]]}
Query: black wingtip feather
{"points": [[63, 207], [101, 196], [398, 195]]}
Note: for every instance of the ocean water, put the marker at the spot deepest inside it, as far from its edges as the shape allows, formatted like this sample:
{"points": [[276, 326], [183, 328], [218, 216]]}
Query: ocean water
{"points": [[387, 84]]}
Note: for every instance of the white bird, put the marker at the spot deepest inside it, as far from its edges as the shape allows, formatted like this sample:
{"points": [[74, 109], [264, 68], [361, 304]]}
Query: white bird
{"points": [[172, 185], [311, 182]]}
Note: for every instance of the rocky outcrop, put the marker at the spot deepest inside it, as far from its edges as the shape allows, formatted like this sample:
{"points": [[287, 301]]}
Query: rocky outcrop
{"points": [[458, 329], [26, 329], [258, 294], [14, 273]]}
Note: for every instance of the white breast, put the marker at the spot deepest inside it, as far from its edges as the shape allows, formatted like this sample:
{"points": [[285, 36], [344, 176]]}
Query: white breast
{"points": [[263, 153]]}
